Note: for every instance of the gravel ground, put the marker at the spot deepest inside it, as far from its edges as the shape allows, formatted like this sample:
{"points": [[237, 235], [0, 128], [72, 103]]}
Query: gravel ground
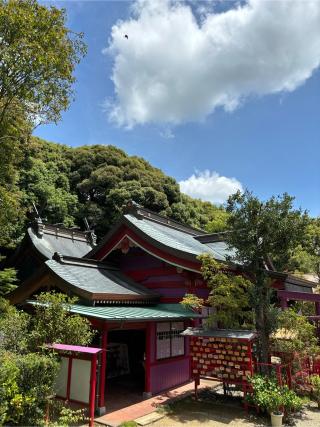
{"points": [[310, 417], [189, 413]]}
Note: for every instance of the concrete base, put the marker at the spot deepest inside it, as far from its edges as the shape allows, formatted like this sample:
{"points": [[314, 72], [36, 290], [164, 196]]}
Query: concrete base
{"points": [[101, 410], [147, 394]]}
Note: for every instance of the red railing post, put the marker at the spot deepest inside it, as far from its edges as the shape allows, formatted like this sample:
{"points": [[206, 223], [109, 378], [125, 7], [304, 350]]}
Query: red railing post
{"points": [[279, 376]]}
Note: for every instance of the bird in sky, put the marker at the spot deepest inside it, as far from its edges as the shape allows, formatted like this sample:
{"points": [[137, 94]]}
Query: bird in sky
{"points": [[126, 36]]}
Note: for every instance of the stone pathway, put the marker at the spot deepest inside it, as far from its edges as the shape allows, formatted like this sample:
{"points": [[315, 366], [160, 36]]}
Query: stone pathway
{"points": [[148, 406]]}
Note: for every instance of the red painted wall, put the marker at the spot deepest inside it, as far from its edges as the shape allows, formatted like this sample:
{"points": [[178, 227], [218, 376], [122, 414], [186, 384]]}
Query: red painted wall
{"points": [[159, 276], [168, 373]]}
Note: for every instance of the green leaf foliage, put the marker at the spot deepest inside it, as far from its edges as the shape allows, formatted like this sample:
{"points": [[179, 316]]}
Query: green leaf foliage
{"points": [[68, 184], [38, 57], [13, 135], [299, 335], [61, 416], [26, 381], [27, 368], [230, 294], [52, 322], [305, 257], [14, 328], [315, 384], [8, 280], [192, 301], [264, 233], [270, 397]]}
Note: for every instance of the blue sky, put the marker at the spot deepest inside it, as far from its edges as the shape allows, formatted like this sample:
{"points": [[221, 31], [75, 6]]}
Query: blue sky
{"points": [[215, 113]]}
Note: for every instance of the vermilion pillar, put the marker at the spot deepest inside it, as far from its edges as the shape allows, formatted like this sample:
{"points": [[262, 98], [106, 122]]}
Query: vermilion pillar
{"points": [[103, 368], [93, 383], [69, 377]]}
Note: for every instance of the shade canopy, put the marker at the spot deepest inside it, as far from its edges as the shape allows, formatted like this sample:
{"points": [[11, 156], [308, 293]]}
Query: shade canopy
{"points": [[75, 348]]}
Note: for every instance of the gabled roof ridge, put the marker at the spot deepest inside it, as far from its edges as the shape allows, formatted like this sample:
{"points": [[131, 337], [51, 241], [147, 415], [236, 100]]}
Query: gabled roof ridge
{"points": [[142, 212], [41, 228], [82, 262]]}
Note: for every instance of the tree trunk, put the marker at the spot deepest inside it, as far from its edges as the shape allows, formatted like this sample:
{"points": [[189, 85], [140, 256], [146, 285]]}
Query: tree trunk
{"points": [[262, 302]]}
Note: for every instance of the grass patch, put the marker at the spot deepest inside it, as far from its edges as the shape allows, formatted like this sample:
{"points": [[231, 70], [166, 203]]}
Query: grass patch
{"points": [[128, 424]]}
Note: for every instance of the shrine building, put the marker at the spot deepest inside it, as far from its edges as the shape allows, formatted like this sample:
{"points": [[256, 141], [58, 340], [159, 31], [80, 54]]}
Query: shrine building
{"points": [[130, 286]]}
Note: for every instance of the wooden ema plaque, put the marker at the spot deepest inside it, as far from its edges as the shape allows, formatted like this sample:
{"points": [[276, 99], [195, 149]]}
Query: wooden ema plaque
{"points": [[225, 359]]}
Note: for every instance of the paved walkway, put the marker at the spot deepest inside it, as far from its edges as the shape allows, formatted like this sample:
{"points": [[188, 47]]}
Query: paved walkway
{"points": [[147, 406]]}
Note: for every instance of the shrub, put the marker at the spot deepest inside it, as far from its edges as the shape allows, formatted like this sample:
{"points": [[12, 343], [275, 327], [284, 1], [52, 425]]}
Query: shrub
{"points": [[298, 335], [60, 416], [315, 391], [27, 369], [290, 400], [26, 382], [53, 322], [269, 396]]}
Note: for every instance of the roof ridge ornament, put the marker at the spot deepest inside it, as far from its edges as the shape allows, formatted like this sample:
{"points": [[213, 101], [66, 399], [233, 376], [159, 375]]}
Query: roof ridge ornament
{"points": [[57, 256], [36, 221], [92, 236], [133, 208]]}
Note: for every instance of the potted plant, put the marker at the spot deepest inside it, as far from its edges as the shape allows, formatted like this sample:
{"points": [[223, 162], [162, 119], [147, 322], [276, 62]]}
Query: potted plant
{"points": [[275, 399], [274, 404], [266, 394]]}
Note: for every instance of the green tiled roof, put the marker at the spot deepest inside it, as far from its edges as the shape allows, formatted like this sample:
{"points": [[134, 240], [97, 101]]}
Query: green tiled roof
{"points": [[115, 313], [179, 240]]}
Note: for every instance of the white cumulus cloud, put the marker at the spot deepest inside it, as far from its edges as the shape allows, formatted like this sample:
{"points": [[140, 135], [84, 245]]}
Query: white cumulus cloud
{"points": [[176, 66], [210, 186]]}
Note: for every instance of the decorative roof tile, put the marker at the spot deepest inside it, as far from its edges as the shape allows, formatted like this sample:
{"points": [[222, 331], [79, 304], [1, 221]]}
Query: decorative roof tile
{"points": [[103, 282]]}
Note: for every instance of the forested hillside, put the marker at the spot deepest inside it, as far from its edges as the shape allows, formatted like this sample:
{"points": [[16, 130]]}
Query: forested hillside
{"points": [[68, 184]]}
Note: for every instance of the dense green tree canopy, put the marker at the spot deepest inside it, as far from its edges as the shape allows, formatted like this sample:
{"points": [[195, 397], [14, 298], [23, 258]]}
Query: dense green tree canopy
{"points": [[38, 54], [306, 256], [264, 232], [230, 294], [68, 184]]}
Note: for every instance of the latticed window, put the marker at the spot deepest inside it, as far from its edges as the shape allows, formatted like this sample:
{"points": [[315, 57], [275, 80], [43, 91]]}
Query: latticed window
{"points": [[169, 341]]}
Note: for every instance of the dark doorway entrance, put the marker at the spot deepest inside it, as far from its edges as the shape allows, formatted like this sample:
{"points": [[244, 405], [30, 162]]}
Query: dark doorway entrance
{"points": [[125, 371]]}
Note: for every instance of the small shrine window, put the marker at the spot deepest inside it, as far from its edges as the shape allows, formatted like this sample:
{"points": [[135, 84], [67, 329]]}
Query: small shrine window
{"points": [[169, 341]]}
